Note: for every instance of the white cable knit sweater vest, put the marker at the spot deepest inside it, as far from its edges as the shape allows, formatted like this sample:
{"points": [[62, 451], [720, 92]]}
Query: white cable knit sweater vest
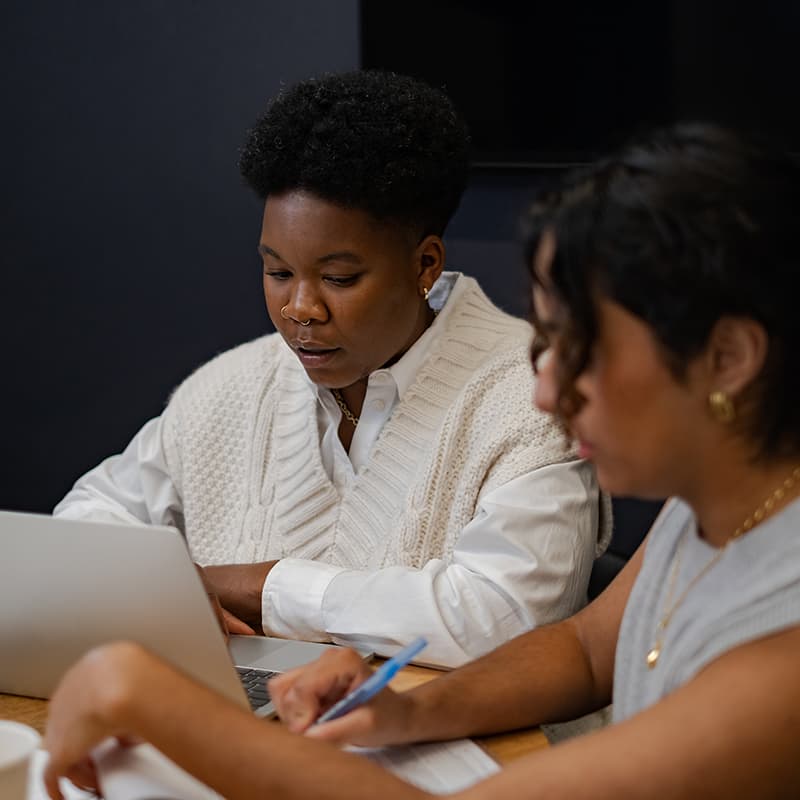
{"points": [[242, 446]]}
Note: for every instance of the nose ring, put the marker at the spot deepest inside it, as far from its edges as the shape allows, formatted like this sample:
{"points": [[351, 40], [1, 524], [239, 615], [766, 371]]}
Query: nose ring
{"points": [[288, 316]]}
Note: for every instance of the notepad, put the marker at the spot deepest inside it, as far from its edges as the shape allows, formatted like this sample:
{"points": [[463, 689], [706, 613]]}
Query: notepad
{"points": [[436, 767], [142, 773]]}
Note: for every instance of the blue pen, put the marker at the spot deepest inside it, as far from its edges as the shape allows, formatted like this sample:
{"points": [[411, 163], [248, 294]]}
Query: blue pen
{"points": [[377, 681]]}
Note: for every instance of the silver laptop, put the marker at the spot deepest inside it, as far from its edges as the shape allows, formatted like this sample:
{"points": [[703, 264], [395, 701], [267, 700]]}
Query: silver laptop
{"points": [[67, 586]]}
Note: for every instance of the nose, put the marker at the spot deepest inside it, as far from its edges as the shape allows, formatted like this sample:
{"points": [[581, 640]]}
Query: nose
{"points": [[545, 392], [305, 303]]}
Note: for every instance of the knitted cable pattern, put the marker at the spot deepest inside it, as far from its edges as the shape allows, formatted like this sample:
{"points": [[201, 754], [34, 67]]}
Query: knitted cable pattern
{"points": [[242, 445]]}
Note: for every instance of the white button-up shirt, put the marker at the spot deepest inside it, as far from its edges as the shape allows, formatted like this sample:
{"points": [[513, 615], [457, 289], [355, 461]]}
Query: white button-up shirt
{"points": [[524, 559]]}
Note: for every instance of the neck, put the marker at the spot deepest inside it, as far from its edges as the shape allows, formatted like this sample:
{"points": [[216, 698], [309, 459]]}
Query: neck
{"points": [[424, 321], [735, 493], [354, 395]]}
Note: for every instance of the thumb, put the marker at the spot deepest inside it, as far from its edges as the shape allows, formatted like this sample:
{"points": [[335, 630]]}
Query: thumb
{"points": [[50, 778], [236, 625], [345, 729]]}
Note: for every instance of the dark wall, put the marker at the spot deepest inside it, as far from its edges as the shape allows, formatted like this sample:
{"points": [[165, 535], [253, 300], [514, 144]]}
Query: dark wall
{"points": [[484, 238], [128, 241]]}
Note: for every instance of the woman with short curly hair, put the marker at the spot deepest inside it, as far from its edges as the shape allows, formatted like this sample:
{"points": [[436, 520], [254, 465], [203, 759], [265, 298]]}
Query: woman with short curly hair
{"points": [[374, 471]]}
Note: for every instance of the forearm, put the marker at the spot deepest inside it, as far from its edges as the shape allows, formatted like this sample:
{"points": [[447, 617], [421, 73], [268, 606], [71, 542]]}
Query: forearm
{"points": [[188, 722], [239, 588], [554, 673], [541, 676]]}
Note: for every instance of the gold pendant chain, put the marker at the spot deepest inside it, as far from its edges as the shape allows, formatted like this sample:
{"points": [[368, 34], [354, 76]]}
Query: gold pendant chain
{"points": [[349, 415], [761, 513]]}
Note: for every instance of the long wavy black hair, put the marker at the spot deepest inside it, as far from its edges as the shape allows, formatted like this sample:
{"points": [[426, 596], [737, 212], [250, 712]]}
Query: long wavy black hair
{"points": [[683, 227]]}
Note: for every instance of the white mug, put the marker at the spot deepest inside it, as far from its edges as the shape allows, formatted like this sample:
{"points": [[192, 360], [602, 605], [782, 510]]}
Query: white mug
{"points": [[18, 743]]}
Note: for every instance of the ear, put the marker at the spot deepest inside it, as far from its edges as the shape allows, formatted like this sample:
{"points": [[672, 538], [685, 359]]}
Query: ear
{"points": [[736, 352], [429, 257]]}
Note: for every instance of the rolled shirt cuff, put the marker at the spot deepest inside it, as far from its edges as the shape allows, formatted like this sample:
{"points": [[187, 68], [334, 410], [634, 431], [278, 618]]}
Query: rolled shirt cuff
{"points": [[292, 599]]}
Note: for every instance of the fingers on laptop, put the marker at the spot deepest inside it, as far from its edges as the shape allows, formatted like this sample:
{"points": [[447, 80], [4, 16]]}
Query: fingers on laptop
{"points": [[229, 623], [302, 694], [234, 625]]}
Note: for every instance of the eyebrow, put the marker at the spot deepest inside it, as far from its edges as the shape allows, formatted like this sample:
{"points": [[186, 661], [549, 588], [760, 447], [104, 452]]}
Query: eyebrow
{"points": [[339, 255], [264, 250]]}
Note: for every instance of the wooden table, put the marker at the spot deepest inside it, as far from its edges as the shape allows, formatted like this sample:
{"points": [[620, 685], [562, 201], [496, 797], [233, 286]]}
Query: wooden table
{"points": [[503, 748]]}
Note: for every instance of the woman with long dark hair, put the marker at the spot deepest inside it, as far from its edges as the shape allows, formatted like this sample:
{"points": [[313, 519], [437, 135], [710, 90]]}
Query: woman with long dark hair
{"points": [[668, 342]]}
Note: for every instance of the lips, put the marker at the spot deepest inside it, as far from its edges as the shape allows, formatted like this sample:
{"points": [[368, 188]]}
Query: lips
{"points": [[585, 450], [314, 354]]}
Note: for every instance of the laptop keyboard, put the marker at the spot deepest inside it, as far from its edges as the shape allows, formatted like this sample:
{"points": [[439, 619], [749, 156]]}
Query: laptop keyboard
{"points": [[255, 685]]}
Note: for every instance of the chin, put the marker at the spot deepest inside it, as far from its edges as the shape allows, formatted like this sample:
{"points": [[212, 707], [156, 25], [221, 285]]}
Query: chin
{"points": [[627, 485], [326, 379], [616, 482]]}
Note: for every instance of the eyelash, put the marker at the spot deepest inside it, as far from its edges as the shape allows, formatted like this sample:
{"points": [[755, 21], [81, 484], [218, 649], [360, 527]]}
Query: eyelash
{"points": [[344, 280], [277, 275], [339, 281]]}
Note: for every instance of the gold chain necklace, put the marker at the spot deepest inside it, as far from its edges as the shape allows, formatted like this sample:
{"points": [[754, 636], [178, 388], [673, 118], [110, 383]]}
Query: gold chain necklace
{"points": [[763, 511], [349, 415]]}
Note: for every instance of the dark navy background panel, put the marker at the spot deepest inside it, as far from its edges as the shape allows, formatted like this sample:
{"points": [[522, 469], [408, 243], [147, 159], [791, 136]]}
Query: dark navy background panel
{"points": [[128, 240]]}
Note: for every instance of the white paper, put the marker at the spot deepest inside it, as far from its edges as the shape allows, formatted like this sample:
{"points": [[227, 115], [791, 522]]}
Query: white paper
{"points": [[127, 773], [438, 767], [142, 773]]}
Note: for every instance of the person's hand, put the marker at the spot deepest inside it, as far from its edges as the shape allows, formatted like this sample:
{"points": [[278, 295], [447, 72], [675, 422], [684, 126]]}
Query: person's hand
{"points": [[302, 694], [229, 623], [239, 588], [86, 709]]}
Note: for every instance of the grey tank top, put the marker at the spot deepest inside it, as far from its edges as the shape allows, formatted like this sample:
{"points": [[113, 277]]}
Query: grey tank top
{"points": [[753, 590]]}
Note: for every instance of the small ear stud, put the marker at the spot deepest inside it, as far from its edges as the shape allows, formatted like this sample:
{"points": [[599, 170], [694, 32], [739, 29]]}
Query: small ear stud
{"points": [[722, 407]]}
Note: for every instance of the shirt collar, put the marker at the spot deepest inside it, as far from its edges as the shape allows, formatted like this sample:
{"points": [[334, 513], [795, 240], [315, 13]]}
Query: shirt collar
{"points": [[405, 369]]}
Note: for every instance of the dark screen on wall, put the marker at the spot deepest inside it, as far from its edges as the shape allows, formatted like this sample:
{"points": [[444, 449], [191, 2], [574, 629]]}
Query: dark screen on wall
{"points": [[546, 83]]}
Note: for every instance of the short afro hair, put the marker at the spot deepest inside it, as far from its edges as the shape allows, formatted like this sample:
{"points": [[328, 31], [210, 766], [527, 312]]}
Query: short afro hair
{"points": [[376, 141]]}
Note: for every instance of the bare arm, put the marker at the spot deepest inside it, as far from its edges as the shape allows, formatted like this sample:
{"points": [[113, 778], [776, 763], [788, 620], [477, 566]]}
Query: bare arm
{"points": [[706, 740], [122, 690], [239, 588], [104, 695], [553, 673], [732, 731]]}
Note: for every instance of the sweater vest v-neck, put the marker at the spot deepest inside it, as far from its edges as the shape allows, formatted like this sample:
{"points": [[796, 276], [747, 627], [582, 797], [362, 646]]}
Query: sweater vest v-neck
{"points": [[242, 444]]}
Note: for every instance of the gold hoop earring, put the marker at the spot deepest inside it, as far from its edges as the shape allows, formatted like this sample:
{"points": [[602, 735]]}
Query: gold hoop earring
{"points": [[722, 407], [283, 312]]}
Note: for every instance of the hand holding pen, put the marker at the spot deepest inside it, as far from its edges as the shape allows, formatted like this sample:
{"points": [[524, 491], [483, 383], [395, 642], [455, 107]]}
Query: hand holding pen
{"points": [[372, 685]]}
